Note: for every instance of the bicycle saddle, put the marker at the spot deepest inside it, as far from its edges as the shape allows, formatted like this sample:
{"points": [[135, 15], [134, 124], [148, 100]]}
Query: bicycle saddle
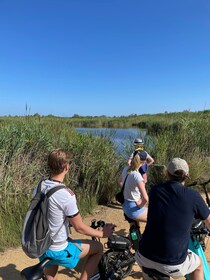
{"points": [[34, 272], [154, 274]]}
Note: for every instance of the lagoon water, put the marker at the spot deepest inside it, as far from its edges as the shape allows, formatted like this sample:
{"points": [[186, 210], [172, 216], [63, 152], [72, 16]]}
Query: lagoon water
{"points": [[122, 138]]}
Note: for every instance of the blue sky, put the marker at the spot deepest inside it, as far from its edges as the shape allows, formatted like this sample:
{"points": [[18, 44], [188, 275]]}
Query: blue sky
{"points": [[104, 57]]}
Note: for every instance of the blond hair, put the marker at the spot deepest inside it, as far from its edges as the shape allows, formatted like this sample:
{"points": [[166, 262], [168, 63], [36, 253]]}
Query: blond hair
{"points": [[135, 163]]}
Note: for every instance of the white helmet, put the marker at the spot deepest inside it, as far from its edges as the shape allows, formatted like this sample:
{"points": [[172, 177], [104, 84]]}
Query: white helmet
{"points": [[138, 141]]}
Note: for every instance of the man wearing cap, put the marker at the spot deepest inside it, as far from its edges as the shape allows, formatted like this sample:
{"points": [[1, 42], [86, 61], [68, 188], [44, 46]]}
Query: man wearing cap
{"points": [[165, 241], [138, 146]]}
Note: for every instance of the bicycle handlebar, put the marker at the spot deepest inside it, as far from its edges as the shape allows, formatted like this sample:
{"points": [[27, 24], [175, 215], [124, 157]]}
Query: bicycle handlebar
{"points": [[203, 185], [193, 184], [199, 183], [97, 224], [200, 231]]}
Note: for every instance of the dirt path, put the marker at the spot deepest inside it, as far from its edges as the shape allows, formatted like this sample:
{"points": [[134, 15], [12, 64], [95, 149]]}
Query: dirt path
{"points": [[13, 261]]}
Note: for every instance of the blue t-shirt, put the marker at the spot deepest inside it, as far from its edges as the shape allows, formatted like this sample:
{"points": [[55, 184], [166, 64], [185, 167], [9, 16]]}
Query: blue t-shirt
{"points": [[143, 169], [172, 208]]}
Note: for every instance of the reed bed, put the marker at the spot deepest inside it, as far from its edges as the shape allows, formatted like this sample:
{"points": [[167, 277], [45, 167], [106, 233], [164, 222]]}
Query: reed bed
{"points": [[24, 147], [190, 141], [26, 142]]}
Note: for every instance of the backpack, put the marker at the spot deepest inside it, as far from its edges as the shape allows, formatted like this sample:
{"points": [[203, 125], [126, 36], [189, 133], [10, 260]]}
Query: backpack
{"points": [[35, 237]]}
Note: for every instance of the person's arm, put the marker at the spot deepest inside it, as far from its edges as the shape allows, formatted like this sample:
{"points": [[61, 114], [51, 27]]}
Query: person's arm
{"points": [[150, 160], [82, 228], [201, 209], [144, 196], [207, 222], [119, 181], [129, 161]]}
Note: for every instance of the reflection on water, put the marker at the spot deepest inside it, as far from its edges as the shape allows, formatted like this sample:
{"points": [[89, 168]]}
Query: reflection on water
{"points": [[122, 138]]}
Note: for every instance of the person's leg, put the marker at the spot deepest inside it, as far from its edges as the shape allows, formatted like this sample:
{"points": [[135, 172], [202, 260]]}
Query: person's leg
{"points": [[191, 266], [133, 212], [51, 272], [198, 273], [93, 250], [142, 217], [68, 257]]}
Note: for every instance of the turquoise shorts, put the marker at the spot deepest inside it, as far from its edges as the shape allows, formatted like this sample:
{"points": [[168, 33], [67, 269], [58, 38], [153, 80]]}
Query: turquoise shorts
{"points": [[68, 257], [131, 209]]}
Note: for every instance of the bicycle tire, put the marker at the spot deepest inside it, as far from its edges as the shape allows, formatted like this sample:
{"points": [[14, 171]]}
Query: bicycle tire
{"points": [[110, 259]]}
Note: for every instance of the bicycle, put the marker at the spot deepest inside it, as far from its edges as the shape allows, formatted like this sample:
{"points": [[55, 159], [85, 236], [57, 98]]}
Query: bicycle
{"points": [[199, 232], [116, 263]]}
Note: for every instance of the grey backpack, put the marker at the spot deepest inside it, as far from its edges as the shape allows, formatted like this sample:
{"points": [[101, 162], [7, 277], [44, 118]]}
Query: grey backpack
{"points": [[35, 237]]}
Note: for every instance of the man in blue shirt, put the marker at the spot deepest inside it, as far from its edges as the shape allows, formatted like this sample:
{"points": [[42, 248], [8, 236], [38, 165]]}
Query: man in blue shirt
{"points": [[172, 208]]}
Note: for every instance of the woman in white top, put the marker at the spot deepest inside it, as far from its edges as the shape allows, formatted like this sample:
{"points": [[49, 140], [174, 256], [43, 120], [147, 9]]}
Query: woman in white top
{"points": [[135, 193]]}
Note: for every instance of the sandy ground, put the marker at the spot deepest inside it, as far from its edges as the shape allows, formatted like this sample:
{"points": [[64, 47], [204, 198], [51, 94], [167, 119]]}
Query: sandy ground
{"points": [[13, 261]]}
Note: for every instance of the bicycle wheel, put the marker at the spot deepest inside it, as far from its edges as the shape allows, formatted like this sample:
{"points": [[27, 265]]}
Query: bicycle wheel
{"points": [[118, 262]]}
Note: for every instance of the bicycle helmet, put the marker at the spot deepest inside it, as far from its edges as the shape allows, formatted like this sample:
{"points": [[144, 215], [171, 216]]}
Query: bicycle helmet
{"points": [[138, 141]]}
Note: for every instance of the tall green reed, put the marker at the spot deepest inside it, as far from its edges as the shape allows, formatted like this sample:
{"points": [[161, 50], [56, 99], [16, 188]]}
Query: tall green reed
{"points": [[190, 141], [24, 147]]}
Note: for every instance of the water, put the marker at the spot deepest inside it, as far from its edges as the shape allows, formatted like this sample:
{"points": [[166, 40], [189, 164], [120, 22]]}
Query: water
{"points": [[122, 138]]}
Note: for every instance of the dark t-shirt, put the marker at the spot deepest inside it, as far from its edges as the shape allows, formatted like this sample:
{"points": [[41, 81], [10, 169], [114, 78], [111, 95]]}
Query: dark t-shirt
{"points": [[172, 208], [143, 169]]}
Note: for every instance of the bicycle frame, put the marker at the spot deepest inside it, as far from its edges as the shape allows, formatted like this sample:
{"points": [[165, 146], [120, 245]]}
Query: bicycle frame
{"points": [[199, 232]]}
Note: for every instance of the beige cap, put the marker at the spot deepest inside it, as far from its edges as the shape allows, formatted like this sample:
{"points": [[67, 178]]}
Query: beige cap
{"points": [[178, 164]]}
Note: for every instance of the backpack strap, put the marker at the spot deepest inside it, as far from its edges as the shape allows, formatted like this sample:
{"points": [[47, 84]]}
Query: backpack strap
{"points": [[123, 187], [55, 189], [50, 192], [39, 187]]}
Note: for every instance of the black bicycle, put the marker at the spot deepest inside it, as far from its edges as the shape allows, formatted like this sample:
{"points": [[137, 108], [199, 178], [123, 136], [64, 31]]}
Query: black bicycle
{"points": [[116, 263]]}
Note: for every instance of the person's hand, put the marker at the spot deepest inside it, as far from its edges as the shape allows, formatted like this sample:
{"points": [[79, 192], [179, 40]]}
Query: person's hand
{"points": [[138, 203], [108, 230]]}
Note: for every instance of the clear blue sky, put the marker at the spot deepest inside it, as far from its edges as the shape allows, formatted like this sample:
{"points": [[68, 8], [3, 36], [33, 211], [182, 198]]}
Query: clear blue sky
{"points": [[104, 57]]}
